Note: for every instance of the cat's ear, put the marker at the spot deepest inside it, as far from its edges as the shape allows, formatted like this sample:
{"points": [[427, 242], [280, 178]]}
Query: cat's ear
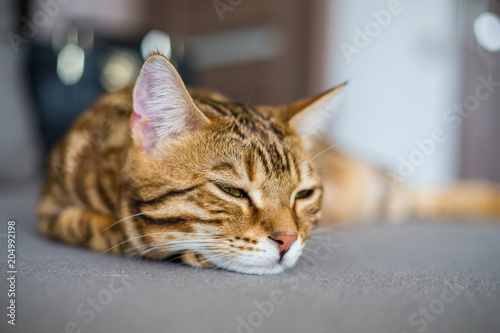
{"points": [[310, 115], [163, 107]]}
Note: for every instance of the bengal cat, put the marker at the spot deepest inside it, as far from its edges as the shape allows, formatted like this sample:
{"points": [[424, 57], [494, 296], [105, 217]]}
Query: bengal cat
{"points": [[159, 170]]}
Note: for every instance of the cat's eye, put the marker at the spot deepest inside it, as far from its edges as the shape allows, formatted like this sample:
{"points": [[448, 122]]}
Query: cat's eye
{"points": [[303, 194], [235, 192]]}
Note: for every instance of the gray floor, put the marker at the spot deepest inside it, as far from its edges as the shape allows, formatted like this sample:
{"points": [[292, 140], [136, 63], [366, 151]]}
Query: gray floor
{"points": [[415, 277]]}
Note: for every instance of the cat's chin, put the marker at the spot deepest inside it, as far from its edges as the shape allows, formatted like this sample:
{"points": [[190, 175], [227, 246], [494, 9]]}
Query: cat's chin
{"points": [[266, 262], [259, 269], [278, 267]]}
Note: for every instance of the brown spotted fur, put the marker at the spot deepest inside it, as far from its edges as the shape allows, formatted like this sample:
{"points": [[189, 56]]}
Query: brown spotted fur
{"points": [[104, 192]]}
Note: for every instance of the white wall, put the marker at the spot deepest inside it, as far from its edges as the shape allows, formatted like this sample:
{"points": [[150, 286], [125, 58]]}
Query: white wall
{"points": [[400, 85]]}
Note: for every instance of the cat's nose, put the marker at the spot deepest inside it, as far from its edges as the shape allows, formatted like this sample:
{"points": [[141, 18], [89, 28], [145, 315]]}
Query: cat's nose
{"points": [[284, 241]]}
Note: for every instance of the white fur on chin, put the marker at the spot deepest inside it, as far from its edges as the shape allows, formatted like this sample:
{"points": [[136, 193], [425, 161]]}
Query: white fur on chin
{"points": [[259, 263]]}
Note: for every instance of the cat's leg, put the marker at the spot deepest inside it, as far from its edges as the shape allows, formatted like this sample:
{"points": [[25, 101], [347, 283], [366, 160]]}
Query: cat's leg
{"points": [[195, 259], [83, 227]]}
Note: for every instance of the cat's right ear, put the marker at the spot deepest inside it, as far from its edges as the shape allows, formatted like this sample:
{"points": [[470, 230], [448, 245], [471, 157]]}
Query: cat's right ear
{"points": [[309, 116], [163, 107]]}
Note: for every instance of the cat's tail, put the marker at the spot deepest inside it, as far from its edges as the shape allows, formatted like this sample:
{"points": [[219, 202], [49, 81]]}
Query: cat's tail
{"points": [[355, 190], [462, 199]]}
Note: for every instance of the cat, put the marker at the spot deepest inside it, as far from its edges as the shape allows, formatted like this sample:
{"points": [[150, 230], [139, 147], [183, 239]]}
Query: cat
{"points": [[159, 170]]}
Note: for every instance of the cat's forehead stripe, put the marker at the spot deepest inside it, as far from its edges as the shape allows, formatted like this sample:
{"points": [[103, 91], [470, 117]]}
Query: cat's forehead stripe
{"points": [[265, 137], [252, 119], [249, 167], [226, 166]]}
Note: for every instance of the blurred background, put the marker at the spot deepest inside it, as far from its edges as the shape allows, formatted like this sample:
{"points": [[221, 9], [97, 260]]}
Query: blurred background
{"points": [[423, 97]]}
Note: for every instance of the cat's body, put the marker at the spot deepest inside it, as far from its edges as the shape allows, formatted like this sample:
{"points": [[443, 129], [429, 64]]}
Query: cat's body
{"points": [[157, 172]]}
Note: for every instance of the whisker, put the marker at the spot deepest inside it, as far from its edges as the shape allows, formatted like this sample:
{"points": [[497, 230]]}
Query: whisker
{"points": [[235, 263], [224, 263], [123, 219], [154, 251], [246, 106], [322, 152], [169, 234], [131, 239], [208, 260]]}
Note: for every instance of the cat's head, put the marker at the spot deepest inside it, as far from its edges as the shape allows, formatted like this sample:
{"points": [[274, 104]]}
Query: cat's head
{"points": [[218, 182]]}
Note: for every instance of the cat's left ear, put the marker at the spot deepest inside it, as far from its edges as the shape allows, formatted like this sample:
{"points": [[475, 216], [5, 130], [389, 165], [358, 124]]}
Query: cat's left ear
{"points": [[308, 116], [163, 108]]}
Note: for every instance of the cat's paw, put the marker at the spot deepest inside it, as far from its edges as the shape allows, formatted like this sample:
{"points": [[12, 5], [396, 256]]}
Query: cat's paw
{"points": [[195, 259]]}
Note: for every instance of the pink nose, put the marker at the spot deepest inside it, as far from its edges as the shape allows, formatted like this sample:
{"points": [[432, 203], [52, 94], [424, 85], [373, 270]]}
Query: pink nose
{"points": [[284, 241]]}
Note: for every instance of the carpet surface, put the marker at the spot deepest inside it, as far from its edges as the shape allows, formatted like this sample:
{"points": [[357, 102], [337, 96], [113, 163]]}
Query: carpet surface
{"points": [[410, 277]]}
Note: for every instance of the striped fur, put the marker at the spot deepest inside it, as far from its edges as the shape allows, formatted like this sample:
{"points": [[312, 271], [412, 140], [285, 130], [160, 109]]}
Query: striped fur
{"points": [[106, 192]]}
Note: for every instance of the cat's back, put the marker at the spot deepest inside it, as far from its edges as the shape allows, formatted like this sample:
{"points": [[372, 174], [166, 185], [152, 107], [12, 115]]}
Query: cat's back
{"points": [[103, 127], [89, 157], [108, 112]]}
